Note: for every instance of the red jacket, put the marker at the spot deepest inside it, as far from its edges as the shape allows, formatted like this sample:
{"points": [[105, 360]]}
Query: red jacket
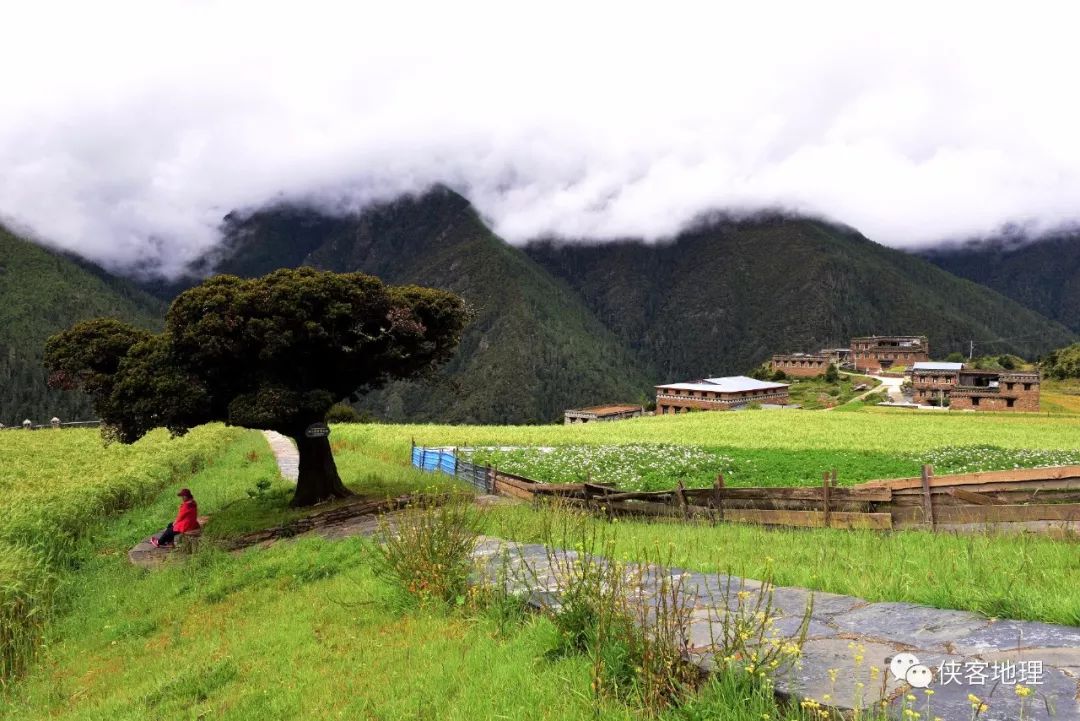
{"points": [[187, 518]]}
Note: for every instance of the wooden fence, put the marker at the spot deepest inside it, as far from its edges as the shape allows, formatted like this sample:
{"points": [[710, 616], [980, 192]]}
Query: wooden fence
{"points": [[1045, 500]]}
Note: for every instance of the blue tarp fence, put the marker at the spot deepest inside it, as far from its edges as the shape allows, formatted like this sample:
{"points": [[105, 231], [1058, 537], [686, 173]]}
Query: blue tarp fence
{"points": [[444, 460]]}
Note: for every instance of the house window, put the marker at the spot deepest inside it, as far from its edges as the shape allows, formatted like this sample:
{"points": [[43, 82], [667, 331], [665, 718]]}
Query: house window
{"points": [[975, 401], [1027, 386], [1010, 402]]}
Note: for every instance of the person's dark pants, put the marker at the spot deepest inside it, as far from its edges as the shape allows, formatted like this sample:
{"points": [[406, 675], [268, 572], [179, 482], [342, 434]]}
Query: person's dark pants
{"points": [[167, 536]]}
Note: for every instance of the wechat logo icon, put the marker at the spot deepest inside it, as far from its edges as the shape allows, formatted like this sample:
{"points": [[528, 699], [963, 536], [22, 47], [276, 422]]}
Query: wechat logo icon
{"points": [[906, 667]]}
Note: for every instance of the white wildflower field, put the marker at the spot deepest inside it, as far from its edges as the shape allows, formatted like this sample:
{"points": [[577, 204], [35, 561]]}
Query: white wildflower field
{"points": [[659, 466]]}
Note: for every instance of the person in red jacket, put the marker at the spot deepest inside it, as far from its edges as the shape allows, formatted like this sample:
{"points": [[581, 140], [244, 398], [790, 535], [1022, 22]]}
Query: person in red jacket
{"points": [[187, 520]]}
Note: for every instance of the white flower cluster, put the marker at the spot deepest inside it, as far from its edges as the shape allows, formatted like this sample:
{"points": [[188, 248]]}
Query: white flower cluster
{"points": [[970, 459], [637, 467]]}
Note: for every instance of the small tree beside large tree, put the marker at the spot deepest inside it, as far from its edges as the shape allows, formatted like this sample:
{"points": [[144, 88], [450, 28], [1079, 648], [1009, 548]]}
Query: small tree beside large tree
{"points": [[272, 353]]}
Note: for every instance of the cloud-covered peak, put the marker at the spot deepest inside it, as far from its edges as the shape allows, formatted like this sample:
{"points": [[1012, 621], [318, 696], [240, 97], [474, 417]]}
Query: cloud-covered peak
{"points": [[128, 130]]}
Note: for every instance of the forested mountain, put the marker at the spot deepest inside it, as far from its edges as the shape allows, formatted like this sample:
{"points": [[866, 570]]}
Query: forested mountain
{"points": [[725, 295], [532, 349], [557, 325], [42, 292], [1043, 275]]}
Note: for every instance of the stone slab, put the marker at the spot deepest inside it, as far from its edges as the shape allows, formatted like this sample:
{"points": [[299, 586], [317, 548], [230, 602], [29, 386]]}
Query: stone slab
{"points": [[909, 624]]}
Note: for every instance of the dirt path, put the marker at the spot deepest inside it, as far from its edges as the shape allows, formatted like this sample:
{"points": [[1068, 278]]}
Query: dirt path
{"points": [[288, 459]]}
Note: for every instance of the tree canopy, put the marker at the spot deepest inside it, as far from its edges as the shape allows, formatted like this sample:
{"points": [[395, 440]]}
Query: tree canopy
{"points": [[273, 353], [1062, 363]]}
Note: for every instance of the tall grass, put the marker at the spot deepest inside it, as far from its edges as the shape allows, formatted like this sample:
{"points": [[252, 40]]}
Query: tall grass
{"points": [[56, 489]]}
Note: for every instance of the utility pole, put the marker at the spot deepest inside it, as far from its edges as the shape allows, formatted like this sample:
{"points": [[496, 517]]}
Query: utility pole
{"points": [[971, 350]]}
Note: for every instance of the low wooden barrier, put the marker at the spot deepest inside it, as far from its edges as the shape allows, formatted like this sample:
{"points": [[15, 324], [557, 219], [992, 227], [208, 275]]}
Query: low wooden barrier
{"points": [[1042, 499], [1045, 500]]}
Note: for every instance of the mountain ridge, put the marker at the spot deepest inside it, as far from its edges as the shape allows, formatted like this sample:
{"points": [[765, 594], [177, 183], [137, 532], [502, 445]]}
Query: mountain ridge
{"points": [[1041, 274], [562, 324], [43, 291]]}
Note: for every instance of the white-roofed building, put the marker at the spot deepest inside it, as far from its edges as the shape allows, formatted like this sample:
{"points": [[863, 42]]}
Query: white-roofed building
{"points": [[718, 394], [936, 366]]}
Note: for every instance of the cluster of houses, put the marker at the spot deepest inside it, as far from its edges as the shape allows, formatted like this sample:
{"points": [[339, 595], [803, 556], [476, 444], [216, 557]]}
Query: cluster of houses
{"points": [[932, 383]]}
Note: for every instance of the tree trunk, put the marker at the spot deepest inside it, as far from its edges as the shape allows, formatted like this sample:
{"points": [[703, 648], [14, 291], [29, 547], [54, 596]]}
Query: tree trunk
{"points": [[319, 479]]}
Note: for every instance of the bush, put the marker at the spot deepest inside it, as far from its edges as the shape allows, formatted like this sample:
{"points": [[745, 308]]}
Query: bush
{"points": [[779, 375], [1063, 363], [832, 375], [426, 550], [344, 413], [631, 620]]}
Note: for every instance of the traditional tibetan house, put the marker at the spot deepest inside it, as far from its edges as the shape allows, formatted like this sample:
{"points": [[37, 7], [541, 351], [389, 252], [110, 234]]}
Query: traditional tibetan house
{"points": [[718, 394], [932, 382], [601, 413], [996, 391], [978, 390], [881, 352], [801, 365]]}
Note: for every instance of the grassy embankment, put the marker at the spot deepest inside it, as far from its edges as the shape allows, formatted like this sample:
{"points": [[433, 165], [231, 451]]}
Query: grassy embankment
{"points": [[818, 393], [56, 490], [1061, 396]]}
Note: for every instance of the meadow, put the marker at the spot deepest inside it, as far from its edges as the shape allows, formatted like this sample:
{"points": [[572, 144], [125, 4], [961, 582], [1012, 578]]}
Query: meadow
{"points": [[307, 629], [56, 489], [304, 629], [767, 448]]}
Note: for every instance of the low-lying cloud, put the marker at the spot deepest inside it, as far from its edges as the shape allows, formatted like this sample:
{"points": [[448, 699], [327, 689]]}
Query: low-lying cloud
{"points": [[128, 129]]}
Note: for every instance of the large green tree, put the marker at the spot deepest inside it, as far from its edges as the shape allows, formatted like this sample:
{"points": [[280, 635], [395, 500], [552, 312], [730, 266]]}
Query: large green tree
{"points": [[274, 353]]}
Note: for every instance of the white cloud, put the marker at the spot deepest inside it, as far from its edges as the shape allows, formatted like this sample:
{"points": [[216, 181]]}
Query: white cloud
{"points": [[128, 129]]}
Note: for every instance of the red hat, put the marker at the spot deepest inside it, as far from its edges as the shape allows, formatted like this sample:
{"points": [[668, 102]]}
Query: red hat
{"points": [[186, 493]]}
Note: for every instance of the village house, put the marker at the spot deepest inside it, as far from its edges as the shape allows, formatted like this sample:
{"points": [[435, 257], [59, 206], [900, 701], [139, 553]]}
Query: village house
{"points": [[931, 382], [840, 356], [980, 390], [801, 365], [718, 394], [601, 413], [881, 352]]}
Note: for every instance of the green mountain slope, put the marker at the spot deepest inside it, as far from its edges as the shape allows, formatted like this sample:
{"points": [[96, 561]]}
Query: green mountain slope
{"points": [[533, 348], [723, 296], [1043, 275], [42, 292]]}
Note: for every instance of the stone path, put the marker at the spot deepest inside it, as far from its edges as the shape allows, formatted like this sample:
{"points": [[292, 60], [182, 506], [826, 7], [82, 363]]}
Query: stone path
{"points": [[967, 653], [962, 649], [288, 459]]}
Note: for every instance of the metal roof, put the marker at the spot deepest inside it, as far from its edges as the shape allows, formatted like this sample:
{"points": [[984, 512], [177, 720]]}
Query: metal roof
{"points": [[934, 366], [608, 410], [729, 384]]}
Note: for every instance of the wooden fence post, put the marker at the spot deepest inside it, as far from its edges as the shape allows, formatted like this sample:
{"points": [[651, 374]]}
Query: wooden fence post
{"points": [[825, 487], [928, 504], [718, 496], [680, 496], [491, 480]]}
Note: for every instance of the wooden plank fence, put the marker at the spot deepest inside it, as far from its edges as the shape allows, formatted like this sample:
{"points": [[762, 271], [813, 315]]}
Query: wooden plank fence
{"points": [[1043, 500]]}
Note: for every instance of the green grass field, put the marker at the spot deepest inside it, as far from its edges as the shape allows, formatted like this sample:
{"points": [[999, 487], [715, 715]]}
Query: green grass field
{"points": [[56, 489], [302, 630], [305, 629]]}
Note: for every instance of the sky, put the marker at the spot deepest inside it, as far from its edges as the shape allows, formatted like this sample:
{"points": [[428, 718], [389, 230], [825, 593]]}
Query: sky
{"points": [[129, 129]]}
